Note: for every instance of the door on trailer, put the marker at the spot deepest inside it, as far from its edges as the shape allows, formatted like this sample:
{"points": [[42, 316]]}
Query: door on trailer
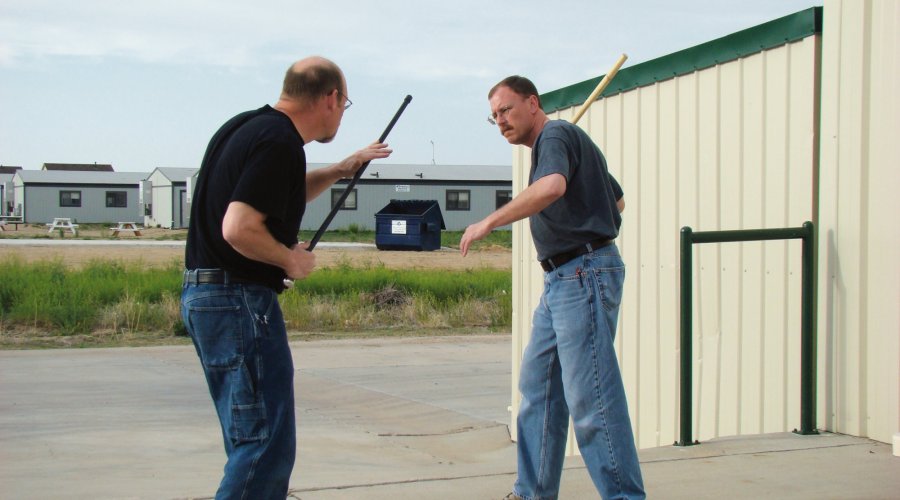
{"points": [[182, 208]]}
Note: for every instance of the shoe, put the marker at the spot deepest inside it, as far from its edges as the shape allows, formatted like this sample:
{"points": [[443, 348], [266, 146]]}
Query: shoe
{"points": [[512, 496]]}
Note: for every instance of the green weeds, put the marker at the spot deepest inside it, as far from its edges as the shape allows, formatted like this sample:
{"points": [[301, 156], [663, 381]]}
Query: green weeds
{"points": [[113, 303]]}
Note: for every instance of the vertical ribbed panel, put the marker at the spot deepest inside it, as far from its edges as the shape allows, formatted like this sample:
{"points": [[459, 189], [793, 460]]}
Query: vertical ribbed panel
{"points": [[859, 234], [728, 147], [526, 279]]}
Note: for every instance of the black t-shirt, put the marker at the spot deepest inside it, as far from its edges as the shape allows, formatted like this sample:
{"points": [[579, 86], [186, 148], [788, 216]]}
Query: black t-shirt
{"points": [[256, 158], [587, 211]]}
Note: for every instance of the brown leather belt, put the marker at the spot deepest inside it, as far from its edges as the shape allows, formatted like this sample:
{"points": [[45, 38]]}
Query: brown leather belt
{"points": [[559, 259], [212, 277]]}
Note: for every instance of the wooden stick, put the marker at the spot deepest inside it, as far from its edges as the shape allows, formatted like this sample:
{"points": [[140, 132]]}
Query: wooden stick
{"points": [[600, 86]]}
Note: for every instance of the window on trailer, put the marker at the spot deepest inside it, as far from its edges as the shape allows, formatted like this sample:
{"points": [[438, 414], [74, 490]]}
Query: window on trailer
{"points": [[70, 198], [503, 197], [349, 203], [116, 199], [457, 199]]}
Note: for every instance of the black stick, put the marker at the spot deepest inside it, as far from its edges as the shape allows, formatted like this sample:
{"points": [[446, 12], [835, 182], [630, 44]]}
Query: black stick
{"points": [[337, 206]]}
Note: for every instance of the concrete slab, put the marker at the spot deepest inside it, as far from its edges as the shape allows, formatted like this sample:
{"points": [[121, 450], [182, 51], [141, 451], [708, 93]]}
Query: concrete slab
{"points": [[377, 418]]}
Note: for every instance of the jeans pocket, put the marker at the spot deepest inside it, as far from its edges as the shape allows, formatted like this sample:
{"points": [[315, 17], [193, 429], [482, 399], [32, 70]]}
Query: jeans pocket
{"points": [[610, 281], [216, 331], [248, 408]]}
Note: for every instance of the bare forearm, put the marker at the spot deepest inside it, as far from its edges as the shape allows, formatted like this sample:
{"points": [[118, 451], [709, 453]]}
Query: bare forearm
{"points": [[532, 200], [245, 230], [250, 238], [319, 180]]}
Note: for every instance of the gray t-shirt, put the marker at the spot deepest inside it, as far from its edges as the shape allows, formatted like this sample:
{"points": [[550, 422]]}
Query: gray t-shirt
{"points": [[587, 211]]}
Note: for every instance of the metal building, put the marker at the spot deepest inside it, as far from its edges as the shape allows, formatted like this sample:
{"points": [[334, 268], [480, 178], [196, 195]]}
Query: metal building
{"points": [[465, 193], [88, 197], [856, 188], [782, 123], [7, 202], [165, 199]]}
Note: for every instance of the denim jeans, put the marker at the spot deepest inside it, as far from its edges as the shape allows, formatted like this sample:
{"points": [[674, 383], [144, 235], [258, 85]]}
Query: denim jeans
{"points": [[240, 337], [569, 368]]}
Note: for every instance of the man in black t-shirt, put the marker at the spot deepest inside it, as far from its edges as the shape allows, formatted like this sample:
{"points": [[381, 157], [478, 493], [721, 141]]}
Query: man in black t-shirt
{"points": [[569, 366], [242, 243]]}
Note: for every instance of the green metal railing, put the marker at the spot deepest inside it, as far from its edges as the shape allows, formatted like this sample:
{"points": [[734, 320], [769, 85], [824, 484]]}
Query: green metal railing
{"points": [[808, 334]]}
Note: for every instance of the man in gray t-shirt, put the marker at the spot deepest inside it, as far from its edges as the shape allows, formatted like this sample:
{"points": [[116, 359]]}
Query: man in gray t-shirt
{"points": [[569, 367], [587, 211]]}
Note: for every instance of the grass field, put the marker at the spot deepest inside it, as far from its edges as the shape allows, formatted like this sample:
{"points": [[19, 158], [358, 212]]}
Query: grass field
{"points": [[110, 303]]}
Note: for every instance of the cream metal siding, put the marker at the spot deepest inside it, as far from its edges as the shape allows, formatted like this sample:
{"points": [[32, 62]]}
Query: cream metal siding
{"points": [[859, 272], [527, 282], [731, 146]]}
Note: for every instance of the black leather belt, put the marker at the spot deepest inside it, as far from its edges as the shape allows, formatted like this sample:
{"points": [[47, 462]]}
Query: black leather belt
{"points": [[211, 277], [559, 259]]}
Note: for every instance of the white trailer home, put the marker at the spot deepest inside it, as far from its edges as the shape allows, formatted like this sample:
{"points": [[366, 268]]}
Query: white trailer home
{"points": [[100, 197], [164, 197]]}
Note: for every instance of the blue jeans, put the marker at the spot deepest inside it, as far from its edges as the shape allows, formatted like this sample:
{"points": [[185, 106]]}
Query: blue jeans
{"points": [[570, 368], [240, 337]]}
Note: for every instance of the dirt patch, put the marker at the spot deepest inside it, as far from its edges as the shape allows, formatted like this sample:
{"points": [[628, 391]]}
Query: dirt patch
{"points": [[157, 256]]}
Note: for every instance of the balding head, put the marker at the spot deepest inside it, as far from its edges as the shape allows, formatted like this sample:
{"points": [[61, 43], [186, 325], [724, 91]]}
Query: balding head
{"points": [[311, 78]]}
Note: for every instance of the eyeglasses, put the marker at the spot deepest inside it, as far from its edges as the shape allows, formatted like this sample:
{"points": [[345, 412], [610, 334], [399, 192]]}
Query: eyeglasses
{"points": [[348, 102], [501, 113]]}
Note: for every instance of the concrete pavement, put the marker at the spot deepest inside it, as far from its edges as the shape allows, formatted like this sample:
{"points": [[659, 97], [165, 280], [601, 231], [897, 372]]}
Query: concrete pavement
{"points": [[377, 418]]}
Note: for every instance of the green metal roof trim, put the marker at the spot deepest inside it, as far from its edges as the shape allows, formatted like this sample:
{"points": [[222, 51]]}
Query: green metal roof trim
{"points": [[728, 48]]}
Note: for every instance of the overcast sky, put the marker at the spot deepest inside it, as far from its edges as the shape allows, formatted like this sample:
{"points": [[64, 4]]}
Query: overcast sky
{"points": [[142, 85]]}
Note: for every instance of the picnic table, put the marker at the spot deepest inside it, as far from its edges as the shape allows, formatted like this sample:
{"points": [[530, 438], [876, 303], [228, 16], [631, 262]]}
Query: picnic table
{"points": [[126, 227], [15, 220], [63, 223]]}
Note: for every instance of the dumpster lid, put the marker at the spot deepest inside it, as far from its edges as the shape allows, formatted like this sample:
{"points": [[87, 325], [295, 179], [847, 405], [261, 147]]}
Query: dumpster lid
{"points": [[424, 208]]}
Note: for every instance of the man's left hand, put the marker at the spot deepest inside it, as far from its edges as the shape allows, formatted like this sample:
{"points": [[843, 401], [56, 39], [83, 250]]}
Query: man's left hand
{"points": [[352, 163], [473, 233]]}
